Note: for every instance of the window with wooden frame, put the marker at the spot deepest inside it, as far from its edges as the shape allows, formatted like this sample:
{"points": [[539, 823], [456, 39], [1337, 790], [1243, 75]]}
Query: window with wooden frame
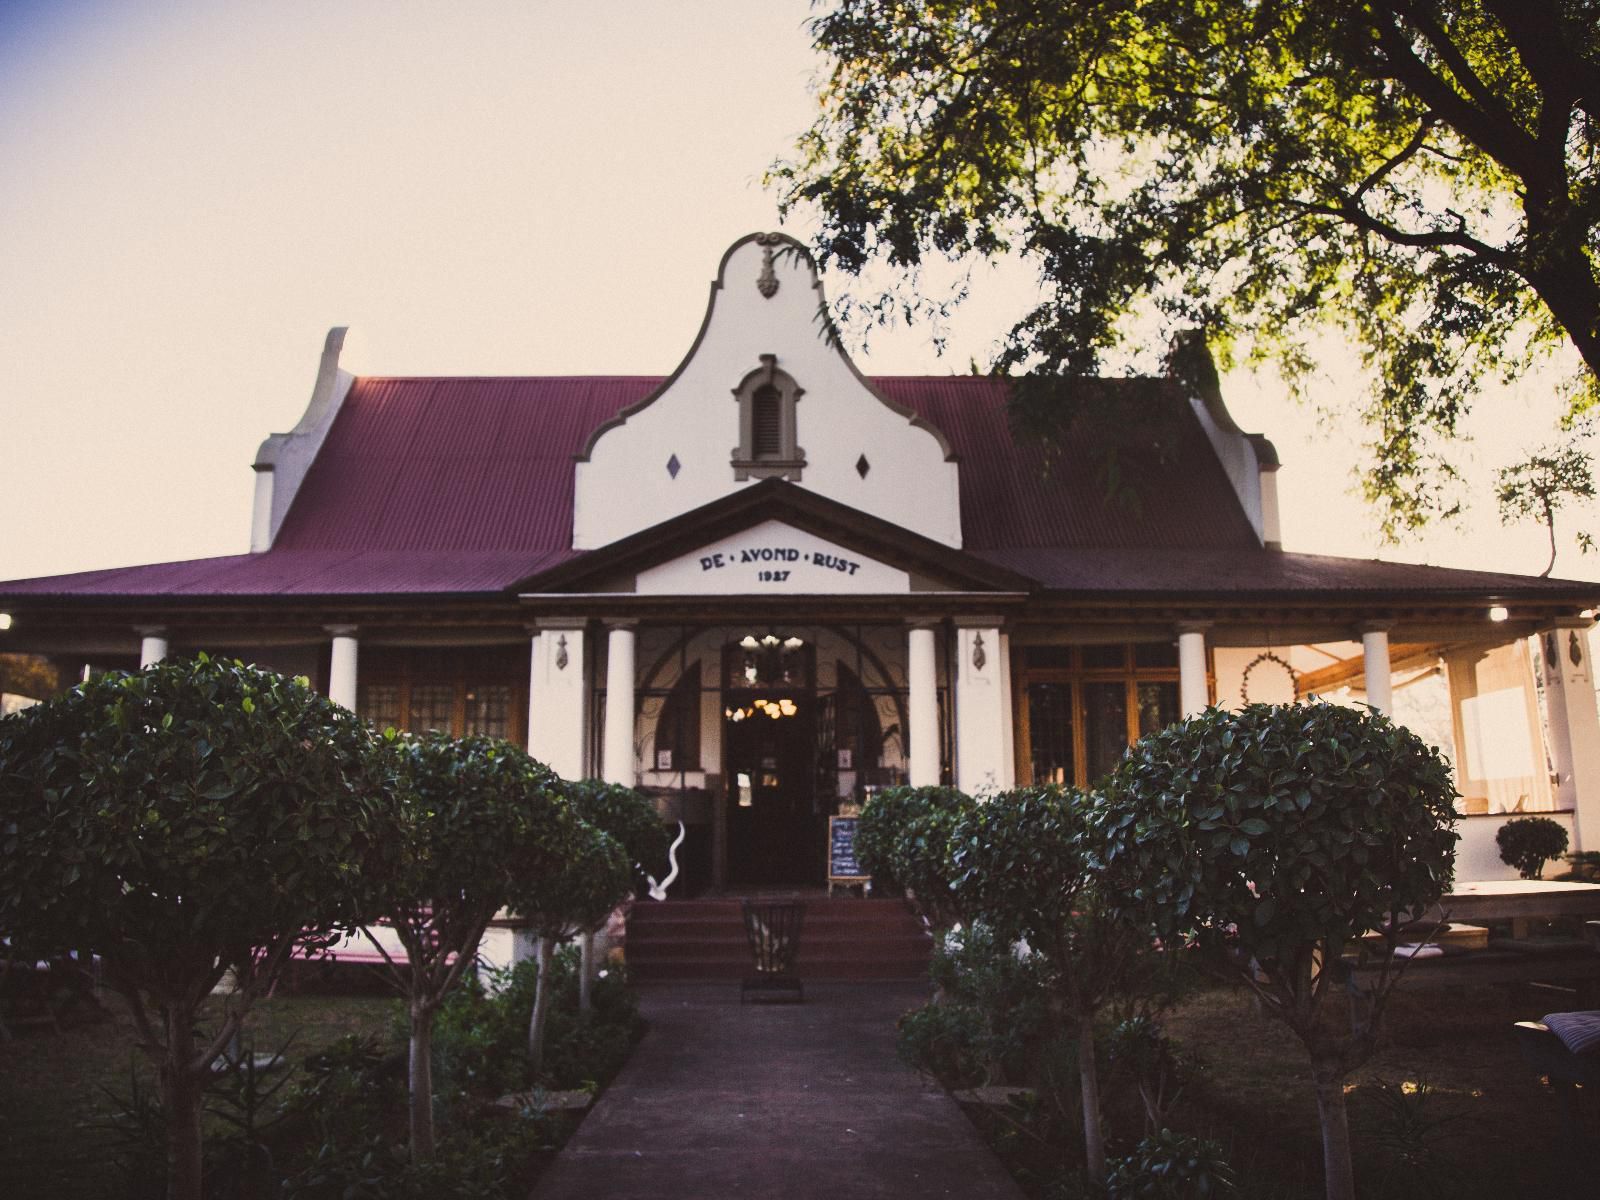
{"points": [[460, 690], [1080, 707]]}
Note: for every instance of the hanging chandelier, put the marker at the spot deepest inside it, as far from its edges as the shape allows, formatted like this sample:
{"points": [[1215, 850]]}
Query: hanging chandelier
{"points": [[776, 709]]}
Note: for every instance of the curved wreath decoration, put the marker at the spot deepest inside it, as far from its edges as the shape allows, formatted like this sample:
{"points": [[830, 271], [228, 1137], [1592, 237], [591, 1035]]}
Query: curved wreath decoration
{"points": [[1266, 657]]}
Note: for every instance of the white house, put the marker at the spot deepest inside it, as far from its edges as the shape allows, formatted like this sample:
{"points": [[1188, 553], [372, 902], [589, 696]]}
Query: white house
{"points": [[767, 583]]}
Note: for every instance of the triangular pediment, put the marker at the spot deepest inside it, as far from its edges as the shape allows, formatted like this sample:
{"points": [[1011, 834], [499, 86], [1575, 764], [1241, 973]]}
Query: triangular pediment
{"points": [[774, 537]]}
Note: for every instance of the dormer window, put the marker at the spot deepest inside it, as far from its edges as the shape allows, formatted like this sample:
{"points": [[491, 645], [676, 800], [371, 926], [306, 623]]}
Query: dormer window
{"points": [[766, 446]]}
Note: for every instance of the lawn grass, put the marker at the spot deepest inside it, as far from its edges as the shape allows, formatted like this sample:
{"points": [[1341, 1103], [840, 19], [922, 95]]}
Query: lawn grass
{"points": [[1446, 1108], [52, 1086]]}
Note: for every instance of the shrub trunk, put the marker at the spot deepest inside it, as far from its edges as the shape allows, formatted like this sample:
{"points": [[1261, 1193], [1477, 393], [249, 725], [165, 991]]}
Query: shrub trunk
{"points": [[541, 1007], [180, 1095], [1094, 1142], [421, 1077], [1338, 1171]]}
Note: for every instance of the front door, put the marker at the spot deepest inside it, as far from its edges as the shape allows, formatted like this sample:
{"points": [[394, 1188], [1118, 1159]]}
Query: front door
{"points": [[775, 826]]}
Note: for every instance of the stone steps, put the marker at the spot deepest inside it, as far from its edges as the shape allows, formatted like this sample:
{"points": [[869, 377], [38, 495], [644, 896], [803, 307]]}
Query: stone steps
{"points": [[684, 940]]}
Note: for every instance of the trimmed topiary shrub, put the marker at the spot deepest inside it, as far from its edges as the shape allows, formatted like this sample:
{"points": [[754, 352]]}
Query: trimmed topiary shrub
{"points": [[1277, 836], [904, 835], [1527, 844]]}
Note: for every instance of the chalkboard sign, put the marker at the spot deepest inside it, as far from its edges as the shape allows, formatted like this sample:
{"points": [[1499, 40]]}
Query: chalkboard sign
{"points": [[842, 864]]}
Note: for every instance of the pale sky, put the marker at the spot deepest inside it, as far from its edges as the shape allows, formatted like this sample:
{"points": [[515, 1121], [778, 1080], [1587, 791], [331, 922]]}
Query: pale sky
{"points": [[192, 193]]}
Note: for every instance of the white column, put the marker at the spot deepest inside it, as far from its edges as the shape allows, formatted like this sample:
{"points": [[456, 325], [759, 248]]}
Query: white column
{"points": [[558, 701], [152, 645], [533, 678], [1375, 666], [923, 704], [1193, 694], [983, 706], [1574, 727], [342, 666], [617, 763]]}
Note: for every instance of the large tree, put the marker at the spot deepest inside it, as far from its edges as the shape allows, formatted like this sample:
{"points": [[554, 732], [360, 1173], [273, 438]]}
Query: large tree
{"points": [[1416, 175]]}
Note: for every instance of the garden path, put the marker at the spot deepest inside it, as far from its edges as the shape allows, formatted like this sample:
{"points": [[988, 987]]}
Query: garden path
{"points": [[779, 1101]]}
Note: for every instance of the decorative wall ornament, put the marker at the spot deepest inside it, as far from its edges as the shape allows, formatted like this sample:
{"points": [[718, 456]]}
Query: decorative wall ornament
{"points": [[767, 281], [561, 653], [1573, 650], [1550, 656], [1268, 658], [674, 466], [978, 656], [863, 466]]}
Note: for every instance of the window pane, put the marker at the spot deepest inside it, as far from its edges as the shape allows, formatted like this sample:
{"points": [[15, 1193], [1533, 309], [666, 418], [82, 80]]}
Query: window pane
{"points": [[1105, 726], [432, 706], [379, 705], [1100, 658], [1053, 657], [1155, 654], [766, 423], [1050, 732], [1158, 706], [489, 710]]}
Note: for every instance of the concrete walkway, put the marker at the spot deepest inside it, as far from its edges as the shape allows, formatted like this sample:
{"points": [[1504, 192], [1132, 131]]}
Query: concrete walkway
{"points": [[781, 1102]]}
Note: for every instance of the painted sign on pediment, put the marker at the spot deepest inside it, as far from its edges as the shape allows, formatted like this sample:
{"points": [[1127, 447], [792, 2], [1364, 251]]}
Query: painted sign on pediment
{"points": [[772, 557]]}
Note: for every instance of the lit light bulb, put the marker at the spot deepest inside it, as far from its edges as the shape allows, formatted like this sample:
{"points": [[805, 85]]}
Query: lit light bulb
{"points": [[748, 641], [1499, 613]]}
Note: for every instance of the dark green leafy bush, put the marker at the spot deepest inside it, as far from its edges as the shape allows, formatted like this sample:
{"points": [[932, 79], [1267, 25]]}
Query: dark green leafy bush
{"points": [[1530, 842], [1171, 1166], [1278, 835]]}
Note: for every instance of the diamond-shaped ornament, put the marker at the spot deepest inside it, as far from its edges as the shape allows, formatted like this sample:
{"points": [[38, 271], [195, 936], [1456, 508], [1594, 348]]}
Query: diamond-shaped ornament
{"points": [[674, 466], [863, 466]]}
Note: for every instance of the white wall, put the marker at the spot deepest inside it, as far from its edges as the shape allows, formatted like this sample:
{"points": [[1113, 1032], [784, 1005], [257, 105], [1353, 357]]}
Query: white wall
{"points": [[625, 485], [1477, 856]]}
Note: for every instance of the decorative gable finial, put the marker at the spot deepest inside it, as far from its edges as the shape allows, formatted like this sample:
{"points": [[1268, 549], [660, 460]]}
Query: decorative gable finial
{"points": [[767, 281]]}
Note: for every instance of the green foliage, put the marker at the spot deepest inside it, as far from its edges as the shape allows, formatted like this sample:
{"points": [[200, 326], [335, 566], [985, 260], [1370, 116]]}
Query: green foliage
{"points": [[192, 813], [1543, 484], [480, 814], [1530, 842], [1278, 835], [183, 822], [882, 818], [991, 1020], [588, 876], [480, 1040], [627, 816], [1171, 1166], [1415, 180], [1280, 826], [908, 834], [1026, 863]]}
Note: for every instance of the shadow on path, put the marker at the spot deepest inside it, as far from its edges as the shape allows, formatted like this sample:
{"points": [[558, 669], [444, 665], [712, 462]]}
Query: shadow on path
{"points": [[782, 1102]]}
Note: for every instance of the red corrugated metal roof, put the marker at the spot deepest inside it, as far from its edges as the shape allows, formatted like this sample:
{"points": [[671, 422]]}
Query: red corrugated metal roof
{"points": [[1009, 498], [453, 464], [465, 485]]}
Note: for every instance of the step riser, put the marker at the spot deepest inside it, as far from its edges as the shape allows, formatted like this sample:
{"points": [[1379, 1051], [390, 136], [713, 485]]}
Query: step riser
{"points": [[682, 940]]}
